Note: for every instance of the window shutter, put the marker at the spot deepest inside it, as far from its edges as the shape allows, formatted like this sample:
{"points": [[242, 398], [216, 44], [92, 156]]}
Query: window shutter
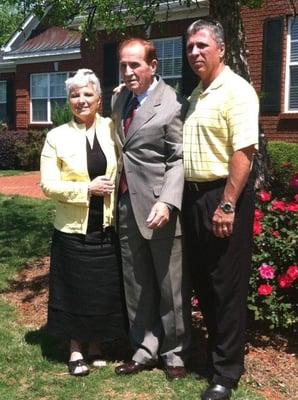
{"points": [[272, 65], [110, 74], [10, 102], [189, 78]]}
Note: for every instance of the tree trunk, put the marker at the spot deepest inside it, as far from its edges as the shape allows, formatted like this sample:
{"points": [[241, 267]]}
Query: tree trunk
{"points": [[228, 13]]}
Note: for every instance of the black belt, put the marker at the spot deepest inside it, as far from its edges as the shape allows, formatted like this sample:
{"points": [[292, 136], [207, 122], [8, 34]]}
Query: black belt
{"points": [[202, 186]]}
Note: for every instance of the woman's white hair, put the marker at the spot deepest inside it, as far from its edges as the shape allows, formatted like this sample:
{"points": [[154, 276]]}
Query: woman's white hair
{"points": [[82, 78]]}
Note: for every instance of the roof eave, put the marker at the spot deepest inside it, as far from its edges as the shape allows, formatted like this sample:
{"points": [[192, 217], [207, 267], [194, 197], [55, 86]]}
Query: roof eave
{"points": [[65, 53], [6, 67]]}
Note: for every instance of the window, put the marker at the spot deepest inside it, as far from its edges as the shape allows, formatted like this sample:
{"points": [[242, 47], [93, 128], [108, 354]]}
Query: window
{"points": [[169, 53], [3, 101], [47, 93], [292, 67]]}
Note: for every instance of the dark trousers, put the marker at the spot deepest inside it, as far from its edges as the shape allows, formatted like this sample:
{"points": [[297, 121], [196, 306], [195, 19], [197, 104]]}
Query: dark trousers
{"points": [[220, 273]]}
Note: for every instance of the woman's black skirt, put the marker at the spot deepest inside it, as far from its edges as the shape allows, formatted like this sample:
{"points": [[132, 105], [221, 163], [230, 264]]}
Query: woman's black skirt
{"points": [[86, 300]]}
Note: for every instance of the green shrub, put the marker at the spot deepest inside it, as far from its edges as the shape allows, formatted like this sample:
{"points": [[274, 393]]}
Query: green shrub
{"points": [[282, 153], [21, 149], [284, 165], [29, 150], [61, 115]]}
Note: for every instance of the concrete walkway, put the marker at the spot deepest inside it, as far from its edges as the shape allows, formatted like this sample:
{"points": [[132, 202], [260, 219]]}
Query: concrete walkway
{"points": [[22, 185]]}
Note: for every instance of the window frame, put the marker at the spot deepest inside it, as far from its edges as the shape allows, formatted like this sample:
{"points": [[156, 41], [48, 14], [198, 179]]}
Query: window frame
{"points": [[4, 81], [5, 84], [175, 76], [49, 97], [289, 64]]}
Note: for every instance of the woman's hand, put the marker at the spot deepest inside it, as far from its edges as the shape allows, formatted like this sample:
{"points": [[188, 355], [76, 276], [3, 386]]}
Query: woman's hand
{"points": [[101, 186], [118, 88]]}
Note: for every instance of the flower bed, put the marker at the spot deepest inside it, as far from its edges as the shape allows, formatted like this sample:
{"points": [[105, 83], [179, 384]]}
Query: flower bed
{"points": [[273, 283]]}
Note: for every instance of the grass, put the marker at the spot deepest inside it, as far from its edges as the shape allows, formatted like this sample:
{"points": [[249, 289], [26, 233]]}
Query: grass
{"points": [[11, 172], [32, 365], [25, 230]]}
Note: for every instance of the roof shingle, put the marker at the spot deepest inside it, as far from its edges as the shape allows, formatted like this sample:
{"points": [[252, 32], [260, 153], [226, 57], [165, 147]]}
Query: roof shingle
{"points": [[52, 39]]}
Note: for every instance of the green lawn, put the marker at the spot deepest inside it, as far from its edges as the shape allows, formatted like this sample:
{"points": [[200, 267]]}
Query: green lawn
{"points": [[32, 365], [11, 172]]}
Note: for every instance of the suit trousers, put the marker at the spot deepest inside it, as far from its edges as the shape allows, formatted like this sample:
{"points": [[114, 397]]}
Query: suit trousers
{"points": [[220, 271], [156, 291]]}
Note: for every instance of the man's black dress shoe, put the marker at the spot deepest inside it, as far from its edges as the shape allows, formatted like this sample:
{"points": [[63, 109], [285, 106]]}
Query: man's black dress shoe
{"points": [[217, 392], [174, 373], [132, 367]]}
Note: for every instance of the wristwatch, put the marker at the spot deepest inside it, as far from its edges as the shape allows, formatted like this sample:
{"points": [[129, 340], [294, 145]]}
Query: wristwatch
{"points": [[227, 207]]}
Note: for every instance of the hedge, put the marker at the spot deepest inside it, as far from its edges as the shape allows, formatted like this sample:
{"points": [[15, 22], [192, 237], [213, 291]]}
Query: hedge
{"points": [[21, 149]]}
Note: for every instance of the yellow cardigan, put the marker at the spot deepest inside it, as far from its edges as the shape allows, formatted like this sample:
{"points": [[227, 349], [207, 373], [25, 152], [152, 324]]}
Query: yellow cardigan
{"points": [[64, 174]]}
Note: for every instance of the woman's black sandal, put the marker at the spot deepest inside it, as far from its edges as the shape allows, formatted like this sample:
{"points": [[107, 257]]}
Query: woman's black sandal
{"points": [[73, 365]]}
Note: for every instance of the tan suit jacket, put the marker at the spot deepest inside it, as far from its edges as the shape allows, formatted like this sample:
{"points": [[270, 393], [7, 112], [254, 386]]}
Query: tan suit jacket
{"points": [[151, 155]]}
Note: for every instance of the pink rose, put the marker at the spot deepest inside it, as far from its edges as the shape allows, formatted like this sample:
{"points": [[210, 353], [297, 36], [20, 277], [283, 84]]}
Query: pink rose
{"points": [[296, 198], [266, 271], [292, 272], [257, 228], [292, 207], [264, 290], [284, 281], [278, 205], [258, 214], [263, 196], [294, 182]]}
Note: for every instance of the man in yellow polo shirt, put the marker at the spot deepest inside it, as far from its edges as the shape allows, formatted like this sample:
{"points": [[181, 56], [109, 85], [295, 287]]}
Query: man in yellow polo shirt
{"points": [[220, 138]]}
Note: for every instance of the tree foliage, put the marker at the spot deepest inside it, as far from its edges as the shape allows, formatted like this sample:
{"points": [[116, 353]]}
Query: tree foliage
{"points": [[115, 15], [10, 19]]}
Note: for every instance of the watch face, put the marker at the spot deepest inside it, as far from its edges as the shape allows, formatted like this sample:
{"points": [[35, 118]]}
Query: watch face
{"points": [[227, 207]]}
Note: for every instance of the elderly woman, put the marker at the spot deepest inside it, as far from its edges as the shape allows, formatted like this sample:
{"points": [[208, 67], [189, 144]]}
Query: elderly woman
{"points": [[78, 168]]}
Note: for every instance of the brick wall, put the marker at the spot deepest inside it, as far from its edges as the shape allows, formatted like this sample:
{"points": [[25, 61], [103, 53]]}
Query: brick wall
{"points": [[6, 76], [282, 126]]}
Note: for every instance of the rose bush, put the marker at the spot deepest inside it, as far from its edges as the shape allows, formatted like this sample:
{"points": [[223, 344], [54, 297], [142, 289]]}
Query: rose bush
{"points": [[274, 278]]}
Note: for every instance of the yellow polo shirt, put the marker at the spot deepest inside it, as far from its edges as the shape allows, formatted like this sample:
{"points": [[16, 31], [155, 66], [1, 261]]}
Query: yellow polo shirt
{"points": [[221, 120]]}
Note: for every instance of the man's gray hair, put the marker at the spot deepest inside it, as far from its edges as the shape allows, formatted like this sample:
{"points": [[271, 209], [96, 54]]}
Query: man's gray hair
{"points": [[214, 26], [82, 78]]}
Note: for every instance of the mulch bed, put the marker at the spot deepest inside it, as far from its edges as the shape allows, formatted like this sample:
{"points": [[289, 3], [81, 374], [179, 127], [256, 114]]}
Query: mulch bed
{"points": [[271, 367]]}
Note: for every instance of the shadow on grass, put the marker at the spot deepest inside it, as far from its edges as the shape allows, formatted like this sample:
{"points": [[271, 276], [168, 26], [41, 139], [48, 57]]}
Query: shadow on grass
{"points": [[51, 348], [57, 350], [32, 280]]}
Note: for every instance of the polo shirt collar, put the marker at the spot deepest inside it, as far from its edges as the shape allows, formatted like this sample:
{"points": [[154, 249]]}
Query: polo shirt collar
{"points": [[218, 81]]}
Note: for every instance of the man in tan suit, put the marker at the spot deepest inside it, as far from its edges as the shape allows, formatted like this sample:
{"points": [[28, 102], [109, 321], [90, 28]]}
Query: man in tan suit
{"points": [[150, 194]]}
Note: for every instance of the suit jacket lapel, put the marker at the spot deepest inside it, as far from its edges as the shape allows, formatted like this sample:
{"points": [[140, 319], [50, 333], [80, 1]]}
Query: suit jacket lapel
{"points": [[145, 113]]}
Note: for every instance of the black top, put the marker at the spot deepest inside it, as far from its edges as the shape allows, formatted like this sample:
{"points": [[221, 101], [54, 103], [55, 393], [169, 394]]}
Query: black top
{"points": [[97, 165]]}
